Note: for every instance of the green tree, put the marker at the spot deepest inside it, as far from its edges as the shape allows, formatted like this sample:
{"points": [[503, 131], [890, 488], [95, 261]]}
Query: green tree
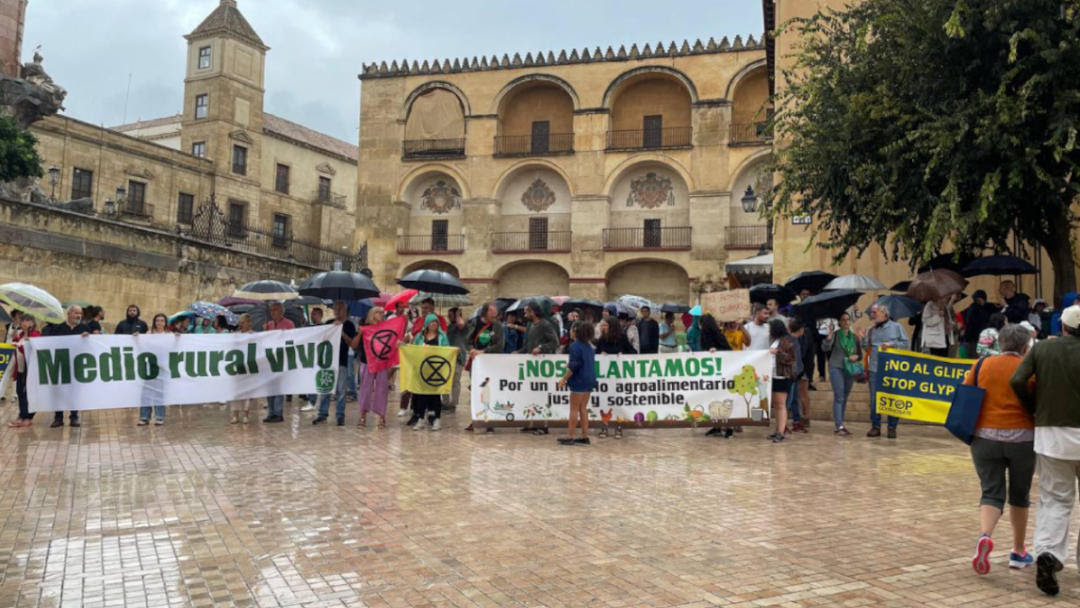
{"points": [[916, 122], [18, 156], [746, 382]]}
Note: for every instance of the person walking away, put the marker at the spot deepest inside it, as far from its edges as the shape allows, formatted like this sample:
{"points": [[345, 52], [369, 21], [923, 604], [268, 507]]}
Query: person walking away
{"points": [[1054, 398], [845, 352], [275, 405], [486, 338], [428, 408], [27, 329], [1016, 306], [515, 334], [158, 325], [936, 337], [885, 333], [131, 324], [580, 378], [668, 343], [350, 339], [648, 332], [458, 335], [94, 315], [374, 386], [240, 407], [1003, 443], [782, 347], [988, 338], [758, 327], [73, 326]]}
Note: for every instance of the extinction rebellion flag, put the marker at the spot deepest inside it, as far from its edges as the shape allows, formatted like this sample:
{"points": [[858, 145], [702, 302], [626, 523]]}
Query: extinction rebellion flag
{"points": [[381, 343], [427, 370]]}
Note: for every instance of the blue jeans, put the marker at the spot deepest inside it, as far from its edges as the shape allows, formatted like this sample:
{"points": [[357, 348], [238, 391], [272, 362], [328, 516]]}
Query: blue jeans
{"points": [[875, 418], [159, 412], [841, 387], [275, 406], [350, 375], [339, 395], [793, 403]]}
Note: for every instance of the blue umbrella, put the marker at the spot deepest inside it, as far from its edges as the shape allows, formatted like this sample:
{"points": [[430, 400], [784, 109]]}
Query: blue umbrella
{"points": [[211, 310]]}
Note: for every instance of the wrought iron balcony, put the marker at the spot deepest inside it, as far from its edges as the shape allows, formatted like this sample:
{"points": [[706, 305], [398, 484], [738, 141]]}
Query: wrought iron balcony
{"points": [[527, 145], [750, 133], [557, 241], [641, 239], [650, 139], [137, 210], [329, 198], [430, 243], [746, 237], [433, 148]]}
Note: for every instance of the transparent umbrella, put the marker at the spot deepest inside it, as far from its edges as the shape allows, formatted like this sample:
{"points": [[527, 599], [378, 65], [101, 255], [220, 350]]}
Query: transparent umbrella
{"points": [[33, 300]]}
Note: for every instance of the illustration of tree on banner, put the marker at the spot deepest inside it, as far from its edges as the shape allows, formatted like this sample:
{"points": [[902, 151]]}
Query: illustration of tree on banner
{"points": [[746, 383]]}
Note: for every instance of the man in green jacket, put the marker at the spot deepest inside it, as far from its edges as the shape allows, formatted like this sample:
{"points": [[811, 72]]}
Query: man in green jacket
{"points": [[541, 338], [1055, 364]]}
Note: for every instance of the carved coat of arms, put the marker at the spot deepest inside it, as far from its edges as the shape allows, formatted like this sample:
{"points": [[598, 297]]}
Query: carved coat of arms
{"points": [[538, 197], [651, 191], [440, 198]]}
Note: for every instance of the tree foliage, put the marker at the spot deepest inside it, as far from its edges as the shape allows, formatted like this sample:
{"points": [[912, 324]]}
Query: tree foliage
{"points": [[927, 121], [18, 156]]}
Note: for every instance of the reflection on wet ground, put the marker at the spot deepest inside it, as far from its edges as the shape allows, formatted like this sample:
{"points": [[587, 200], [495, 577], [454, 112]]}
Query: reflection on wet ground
{"points": [[202, 513]]}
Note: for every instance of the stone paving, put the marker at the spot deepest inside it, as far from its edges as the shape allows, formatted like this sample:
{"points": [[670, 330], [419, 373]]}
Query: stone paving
{"points": [[201, 513]]}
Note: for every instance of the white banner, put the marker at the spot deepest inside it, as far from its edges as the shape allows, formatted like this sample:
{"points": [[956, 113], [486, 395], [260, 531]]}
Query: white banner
{"points": [[675, 389], [107, 371]]}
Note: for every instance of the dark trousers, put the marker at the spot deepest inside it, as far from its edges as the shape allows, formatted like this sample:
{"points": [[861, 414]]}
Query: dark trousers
{"points": [[73, 415], [822, 359], [24, 403], [429, 405]]}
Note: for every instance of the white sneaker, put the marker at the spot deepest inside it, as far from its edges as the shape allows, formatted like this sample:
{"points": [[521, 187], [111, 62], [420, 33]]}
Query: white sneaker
{"points": [[401, 413], [420, 425], [436, 424], [307, 407]]}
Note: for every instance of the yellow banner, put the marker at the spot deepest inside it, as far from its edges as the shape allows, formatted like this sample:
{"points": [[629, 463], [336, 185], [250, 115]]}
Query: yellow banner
{"points": [[917, 386], [427, 370]]}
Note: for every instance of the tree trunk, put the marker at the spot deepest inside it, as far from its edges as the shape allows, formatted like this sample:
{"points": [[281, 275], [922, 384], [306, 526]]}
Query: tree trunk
{"points": [[1059, 249]]}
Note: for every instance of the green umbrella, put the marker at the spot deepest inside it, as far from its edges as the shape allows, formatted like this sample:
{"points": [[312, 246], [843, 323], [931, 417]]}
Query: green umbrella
{"points": [[32, 300]]}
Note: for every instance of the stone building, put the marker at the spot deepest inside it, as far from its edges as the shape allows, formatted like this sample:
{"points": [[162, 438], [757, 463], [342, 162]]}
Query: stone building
{"points": [[589, 173], [221, 161]]}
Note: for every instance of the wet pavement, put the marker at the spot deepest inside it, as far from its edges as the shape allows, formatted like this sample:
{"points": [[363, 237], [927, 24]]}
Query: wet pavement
{"points": [[202, 513]]}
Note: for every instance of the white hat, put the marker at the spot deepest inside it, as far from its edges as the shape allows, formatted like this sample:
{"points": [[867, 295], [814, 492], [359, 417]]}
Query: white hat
{"points": [[1070, 317], [1028, 326]]}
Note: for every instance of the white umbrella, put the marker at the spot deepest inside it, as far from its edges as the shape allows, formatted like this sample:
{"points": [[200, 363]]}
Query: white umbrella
{"points": [[635, 303], [33, 300], [858, 282]]}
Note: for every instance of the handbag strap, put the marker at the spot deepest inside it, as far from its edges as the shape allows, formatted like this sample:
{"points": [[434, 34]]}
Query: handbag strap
{"points": [[978, 364]]}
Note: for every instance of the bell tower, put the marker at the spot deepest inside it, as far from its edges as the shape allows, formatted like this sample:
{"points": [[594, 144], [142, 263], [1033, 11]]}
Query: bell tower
{"points": [[223, 93]]}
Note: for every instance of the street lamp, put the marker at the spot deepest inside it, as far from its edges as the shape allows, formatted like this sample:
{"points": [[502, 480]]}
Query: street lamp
{"points": [[54, 176], [110, 208], [749, 200]]}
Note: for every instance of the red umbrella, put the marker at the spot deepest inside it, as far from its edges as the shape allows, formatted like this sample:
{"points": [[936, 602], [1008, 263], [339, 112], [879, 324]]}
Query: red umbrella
{"points": [[400, 298]]}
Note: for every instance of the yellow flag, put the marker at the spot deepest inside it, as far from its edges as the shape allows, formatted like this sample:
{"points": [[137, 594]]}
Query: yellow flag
{"points": [[427, 370]]}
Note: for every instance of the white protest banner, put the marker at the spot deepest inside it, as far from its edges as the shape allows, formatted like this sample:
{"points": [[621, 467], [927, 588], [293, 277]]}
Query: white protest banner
{"points": [[732, 305], [107, 371], [677, 389]]}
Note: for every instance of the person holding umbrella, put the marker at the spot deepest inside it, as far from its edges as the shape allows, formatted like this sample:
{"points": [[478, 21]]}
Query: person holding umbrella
{"points": [[937, 327], [350, 340], [885, 333], [1016, 305], [27, 329]]}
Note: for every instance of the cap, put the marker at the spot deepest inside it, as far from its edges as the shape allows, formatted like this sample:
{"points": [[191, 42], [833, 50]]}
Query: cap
{"points": [[1070, 317]]}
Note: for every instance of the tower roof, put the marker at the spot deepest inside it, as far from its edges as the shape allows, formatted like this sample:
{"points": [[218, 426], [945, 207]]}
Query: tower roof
{"points": [[227, 19]]}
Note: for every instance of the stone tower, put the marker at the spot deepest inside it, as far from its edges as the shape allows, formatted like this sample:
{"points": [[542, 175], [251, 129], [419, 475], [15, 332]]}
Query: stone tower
{"points": [[223, 92], [12, 16]]}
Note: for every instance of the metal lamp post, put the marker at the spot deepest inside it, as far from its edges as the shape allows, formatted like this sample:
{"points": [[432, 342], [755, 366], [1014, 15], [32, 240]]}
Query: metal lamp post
{"points": [[54, 177]]}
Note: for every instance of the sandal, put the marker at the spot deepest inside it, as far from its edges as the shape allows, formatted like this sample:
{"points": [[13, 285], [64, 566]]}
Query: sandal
{"points": [[382, 423]]}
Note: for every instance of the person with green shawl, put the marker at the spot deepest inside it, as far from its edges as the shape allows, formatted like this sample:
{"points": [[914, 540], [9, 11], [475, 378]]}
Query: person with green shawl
{"points": [[693, 333], [428, 408], [845, 364]]}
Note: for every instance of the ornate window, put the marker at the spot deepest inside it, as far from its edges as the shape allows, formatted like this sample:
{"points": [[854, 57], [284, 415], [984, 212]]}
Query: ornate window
{"points": [[82, 183]]}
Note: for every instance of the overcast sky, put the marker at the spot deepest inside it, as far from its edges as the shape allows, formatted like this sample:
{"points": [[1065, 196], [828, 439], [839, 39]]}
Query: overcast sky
{"points": [[317, 46]]}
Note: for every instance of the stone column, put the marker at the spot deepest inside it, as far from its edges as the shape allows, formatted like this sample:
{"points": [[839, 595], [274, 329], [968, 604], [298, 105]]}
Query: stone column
{"points": [[12, 17]]}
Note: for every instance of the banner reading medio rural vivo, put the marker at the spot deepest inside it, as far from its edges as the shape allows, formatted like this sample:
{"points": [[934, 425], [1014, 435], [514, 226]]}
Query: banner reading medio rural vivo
{"points": [[646, 390], [107, 371], [917, 386]]}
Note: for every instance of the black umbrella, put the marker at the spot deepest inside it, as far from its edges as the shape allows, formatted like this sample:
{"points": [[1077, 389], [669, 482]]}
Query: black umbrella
{"points": [[675, 308], [339, 285], [946, 261], [573, 303], [901, 286], [501, 304], [311, 301], [435, 281], [899, 307], [771, 291], [814, 280], [545, 303], [267, 289], [998, 265], [827, 305]]}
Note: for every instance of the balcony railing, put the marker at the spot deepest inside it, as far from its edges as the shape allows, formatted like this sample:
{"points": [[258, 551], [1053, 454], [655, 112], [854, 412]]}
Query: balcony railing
{"points": [[650, 139], [750, 133], [746, 237], [431, 243], [433, 148], [636, 239], [137, 210], [527, 145], [557, 241], [329, 198]]}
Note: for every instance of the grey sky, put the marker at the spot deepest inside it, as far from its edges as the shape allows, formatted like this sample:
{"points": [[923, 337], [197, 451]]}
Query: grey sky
{"points": [[317, 46]]}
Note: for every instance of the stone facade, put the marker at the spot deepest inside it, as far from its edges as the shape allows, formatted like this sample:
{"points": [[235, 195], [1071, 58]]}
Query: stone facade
{"points": [[592, 174], [12, 17]]}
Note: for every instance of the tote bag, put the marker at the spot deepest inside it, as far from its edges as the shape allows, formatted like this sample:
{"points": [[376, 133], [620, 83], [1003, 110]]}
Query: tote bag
{"points": [[966, 405]]}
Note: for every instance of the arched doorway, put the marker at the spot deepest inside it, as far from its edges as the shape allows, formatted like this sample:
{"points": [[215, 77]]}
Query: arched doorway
{"points": [[525, 279], [656, 280], [431, 265]]}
